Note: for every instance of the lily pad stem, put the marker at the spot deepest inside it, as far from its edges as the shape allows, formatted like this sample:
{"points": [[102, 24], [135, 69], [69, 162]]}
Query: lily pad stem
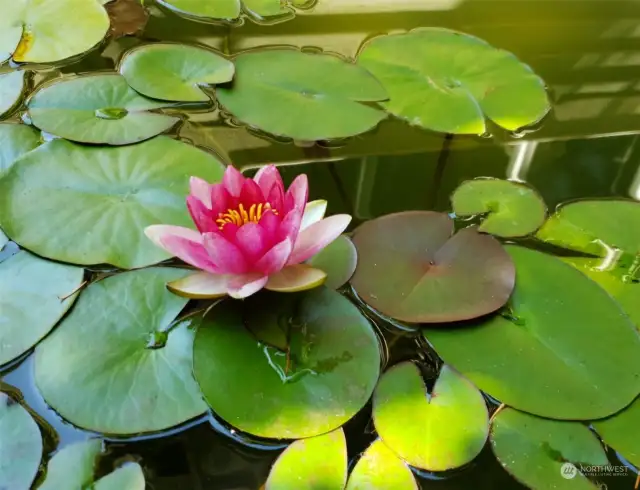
{"points": [[82, 285], [498, 410]]}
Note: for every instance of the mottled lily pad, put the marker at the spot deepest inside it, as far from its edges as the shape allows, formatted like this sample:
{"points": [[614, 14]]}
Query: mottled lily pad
{"points": [[338, 260], [20, 445], [97, 108], [99, 200], [117, 364], [316, 463], [15, 141], [595, 227], [30, 300], [513, 209], [380, 469], [12, 84], [44, 31], [327, 377], [174, 71], [562, 348], [620, 432], [301, 95], [411, 268], [451, 82], [439, 431], [540, 453]]}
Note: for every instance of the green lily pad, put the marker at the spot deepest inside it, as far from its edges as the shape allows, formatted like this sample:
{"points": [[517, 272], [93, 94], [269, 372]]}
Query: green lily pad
{"points": [[448, 81], [301, 95], [129, 476], [4, 239], [174, 71], [30, 292], [542, 453], [116, 364], [15, 141], [411, 268], [316, 463], [334, 363], [439, 431], [380, 469], [12, 85], [20, 445], [97, 108], [595, 226], [99, 200], [220, 9], [562, 349], [44, 31], [620, 432], [338, 260], [514, 209]]}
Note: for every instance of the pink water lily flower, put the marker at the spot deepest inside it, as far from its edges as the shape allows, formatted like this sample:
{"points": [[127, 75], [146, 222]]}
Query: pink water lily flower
{"points": [[251, 234]]}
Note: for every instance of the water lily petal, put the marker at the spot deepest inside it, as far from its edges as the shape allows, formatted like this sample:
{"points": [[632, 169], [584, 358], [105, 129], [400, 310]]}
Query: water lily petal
{"points": [[201, 190], [267, 177], [290, 226], [233, 181], [245, 285], [313, 212], [201, 215], [275, 259], [225, 254], [221, 200], [276, 197], [201, 285], [317, 236], [250, 194], [297, 194], [296, 278], [270, 223], [184, 243], [252, 240]]}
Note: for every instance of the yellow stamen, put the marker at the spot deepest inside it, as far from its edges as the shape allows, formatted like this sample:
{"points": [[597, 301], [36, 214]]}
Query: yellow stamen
{"points": [[240, 216]]}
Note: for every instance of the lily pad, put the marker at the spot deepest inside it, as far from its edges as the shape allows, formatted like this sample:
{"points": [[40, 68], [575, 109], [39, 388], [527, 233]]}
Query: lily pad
{"points": [[99, 200], [127, 17], [20, 445], [338, 260], [220, 9], [12, 85], [15, 141], [451, 82], [97, 108], [595, 227], [513, 209], [301, 95], [117, 364], [439, 431], [4, 239], [73, 466], [44, 31], [30, 300], [316, 463], [562, 349], [542, 453], [411, 268], [129, 476], [380, 469], [174, 71], [620, 432], [332, 368]]}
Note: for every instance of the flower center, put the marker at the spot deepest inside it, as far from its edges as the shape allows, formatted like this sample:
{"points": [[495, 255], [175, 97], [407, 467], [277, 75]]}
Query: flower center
{"points": [[241, 216]]}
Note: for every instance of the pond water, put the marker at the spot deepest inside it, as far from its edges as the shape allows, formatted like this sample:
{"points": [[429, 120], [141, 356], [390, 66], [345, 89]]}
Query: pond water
{"points": [[588, 52]]}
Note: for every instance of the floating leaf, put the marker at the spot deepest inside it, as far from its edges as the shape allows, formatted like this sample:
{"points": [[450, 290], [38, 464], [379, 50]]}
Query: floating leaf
{"points": [[561, 349], [4, 239], [411, 268], [450, 82], [116, 364], [129, 477], [595, 226], [12, 85], [338, 260], [127, 17], [533, 450], [316, 463], [620, 432], [220, 9], [439, 431], [20, 445], [328, 376], [514, 209], [301, 95], [99, 200], [174, 71], [44, 31], [30, 300], [73, 466], [380, 469], [97, 108], [15, 141]]}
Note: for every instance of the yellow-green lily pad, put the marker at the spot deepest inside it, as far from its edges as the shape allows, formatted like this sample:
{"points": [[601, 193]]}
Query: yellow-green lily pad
{"points": [[379, 468], [12, 85]]}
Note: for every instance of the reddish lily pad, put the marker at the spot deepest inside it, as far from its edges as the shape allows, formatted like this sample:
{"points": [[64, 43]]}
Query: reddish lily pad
{"points": [[411, 268]]}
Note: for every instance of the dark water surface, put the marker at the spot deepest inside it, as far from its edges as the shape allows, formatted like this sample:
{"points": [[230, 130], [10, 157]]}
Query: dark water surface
{"points": [[589, 54]]}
